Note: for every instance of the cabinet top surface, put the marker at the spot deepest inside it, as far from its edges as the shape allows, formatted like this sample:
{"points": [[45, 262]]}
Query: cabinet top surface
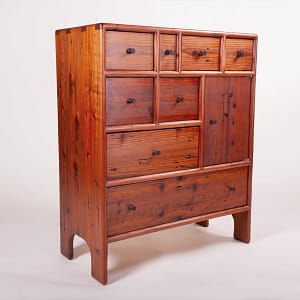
{"points": [[142, 28]]}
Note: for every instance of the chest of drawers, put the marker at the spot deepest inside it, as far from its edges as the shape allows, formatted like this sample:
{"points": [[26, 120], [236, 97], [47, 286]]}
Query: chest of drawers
{"points": [[155, 131]]}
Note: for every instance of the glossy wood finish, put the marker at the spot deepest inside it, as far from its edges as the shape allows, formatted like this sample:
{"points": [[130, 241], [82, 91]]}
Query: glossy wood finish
{"points": [[133, 167], [117, 56], [142, 205], [239, 54], [168, 52], [191, 48], [179, 99], [226, 123], [147, 152], [131, 104], [81, 144]]}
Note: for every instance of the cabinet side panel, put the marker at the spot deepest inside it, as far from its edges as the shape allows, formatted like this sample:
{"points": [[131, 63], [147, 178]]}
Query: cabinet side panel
{"points": [[65, 132], [81, 131]]}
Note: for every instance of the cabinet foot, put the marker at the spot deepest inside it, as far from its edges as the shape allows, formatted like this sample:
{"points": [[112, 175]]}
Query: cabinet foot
{"points": [[99, 265], [66, 244], [242, 226], [203, 223]]}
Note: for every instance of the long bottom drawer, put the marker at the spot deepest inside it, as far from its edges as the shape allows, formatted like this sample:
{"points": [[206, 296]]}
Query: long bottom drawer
{"points": [[141, 205]]}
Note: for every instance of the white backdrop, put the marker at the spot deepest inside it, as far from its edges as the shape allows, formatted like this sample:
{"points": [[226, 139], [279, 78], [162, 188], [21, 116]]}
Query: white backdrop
{"points": [[205, 262]]}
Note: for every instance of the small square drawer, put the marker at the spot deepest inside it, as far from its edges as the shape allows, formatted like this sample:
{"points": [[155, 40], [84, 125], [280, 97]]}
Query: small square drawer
{"points": [[179, 99], [142, 205], [168, 52], [129, 51], [239, 54], [200, 53], [132, 154], [129, 101]]}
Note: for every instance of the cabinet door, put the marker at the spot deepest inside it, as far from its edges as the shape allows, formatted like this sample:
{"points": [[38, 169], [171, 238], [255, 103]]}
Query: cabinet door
{"points": [[226, 122]]}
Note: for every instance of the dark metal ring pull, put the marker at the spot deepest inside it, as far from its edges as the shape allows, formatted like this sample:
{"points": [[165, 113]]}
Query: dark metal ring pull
{"points": [[240, 53], [199, 53], [156, 152], [131, 100], [231, 188], [131, 207], [180, 99], [130, 51], [212, 122], [168, 52], [202, 53]]}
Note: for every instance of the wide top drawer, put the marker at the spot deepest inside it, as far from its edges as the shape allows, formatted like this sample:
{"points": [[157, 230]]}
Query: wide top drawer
{"points": [[129, 51]]}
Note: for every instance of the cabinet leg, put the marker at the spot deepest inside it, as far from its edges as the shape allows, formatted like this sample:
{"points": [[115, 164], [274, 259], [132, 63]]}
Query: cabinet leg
{"points": [[204, 223], [66, 244], [99, 264], [242, 226]]}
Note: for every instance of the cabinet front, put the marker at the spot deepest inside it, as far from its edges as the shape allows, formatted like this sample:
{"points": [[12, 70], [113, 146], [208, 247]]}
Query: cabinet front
{"points": [[140, 153]]}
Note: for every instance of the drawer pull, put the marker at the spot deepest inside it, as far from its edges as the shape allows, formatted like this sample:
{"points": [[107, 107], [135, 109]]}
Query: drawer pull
{"points": [[130, 51], [200, 53], [156, 152], [212, 122], [168, 52], [131, 207], [180, 99], [232, 188], [240, 53], [131, 100]]}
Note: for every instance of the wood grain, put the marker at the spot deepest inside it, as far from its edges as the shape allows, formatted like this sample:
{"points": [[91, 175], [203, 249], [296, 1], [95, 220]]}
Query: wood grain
{"points": [[173, 88], [192, 62], [235, 63], [117, 43], [168, 61], [174, 199], [120, 110], [131, 153]]}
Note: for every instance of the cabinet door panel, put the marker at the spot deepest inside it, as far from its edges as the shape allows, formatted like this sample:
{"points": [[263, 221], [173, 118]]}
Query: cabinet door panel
{"points": [[238, 118], [214, 135], [226, 124]]}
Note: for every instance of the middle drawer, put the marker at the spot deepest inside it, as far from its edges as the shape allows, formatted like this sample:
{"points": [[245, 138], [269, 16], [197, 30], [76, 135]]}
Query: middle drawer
{"points": [[140, 153]]}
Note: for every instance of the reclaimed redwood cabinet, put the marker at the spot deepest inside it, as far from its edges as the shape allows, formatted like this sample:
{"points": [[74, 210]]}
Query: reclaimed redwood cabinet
{"points": [[155, 131]]}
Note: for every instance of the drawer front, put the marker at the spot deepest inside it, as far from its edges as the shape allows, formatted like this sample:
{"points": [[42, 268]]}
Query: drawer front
{"points": [[179, 99], [141, 205], [132, 154], [239, 54], [129, 101], [129, 51], [168, 52], [200, 53]]}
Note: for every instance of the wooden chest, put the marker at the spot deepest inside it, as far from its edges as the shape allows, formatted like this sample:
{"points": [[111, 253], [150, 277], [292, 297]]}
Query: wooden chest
{"points": [[155, 131]]}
